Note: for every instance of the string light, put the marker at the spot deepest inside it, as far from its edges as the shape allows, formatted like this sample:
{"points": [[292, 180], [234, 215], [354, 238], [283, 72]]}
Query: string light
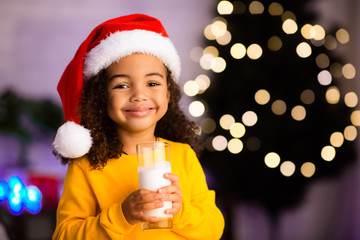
{"points": [[316, 35]]}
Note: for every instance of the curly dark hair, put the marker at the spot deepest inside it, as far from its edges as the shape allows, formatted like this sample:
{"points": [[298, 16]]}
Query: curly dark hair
{"points": [[174, 125]]}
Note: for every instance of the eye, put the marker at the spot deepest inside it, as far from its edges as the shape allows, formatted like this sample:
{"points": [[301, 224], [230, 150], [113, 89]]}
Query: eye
{"points": [[153, 84], [120, 86]]}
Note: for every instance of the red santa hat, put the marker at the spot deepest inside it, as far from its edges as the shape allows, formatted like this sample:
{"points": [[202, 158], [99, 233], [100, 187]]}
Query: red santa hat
{"points": [[106, 44]]}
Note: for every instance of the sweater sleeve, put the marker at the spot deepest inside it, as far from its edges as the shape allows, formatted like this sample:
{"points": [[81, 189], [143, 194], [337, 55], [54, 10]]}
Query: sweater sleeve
{"points": [[77, 216], [199, 217]]}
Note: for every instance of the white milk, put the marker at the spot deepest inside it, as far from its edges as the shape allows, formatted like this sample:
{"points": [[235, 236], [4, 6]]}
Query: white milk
{"points": [[152, 178]]}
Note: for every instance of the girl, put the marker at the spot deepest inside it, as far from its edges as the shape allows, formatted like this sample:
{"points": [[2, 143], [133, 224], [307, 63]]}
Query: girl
{"points": [[129, 68]]}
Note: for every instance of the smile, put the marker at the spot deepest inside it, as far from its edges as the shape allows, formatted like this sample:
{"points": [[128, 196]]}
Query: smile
{"points": [[139, 112]]}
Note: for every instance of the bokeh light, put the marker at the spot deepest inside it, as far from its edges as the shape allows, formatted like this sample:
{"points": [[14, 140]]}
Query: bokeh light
{"points": [[238, 51], [307, 96], [336, 70], [355, 118], [218, 64], [274, 43], [235, 146], [256, 7], [342, 36], [254, 51], [227, 121], [237, 130], [289, 26], [287, 168], [328, 153], [249, 118], [348, 71], [308, 169], [253, 144], [196, 109], [322, 60], [225, 8], [351, 99], [332, 95], [275, 9], [324, 77], [272, 160], [337, 139], [191, 88], [303, 50], [330, 42], [350, 133], [219, 143], [298, 113], [262, 97], [208, 125], [278, 107], [203, 82]]}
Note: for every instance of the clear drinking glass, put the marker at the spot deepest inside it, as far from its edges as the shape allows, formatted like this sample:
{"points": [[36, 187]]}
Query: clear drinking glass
{"points": [[153, 162]]}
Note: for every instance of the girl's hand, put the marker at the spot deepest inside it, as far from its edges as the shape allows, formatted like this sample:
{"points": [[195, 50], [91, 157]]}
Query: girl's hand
{"points": [[137, 202], [172, 193]]}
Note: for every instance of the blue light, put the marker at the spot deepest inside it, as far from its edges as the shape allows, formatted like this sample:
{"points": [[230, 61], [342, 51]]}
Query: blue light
{"points": [[20, 197]]}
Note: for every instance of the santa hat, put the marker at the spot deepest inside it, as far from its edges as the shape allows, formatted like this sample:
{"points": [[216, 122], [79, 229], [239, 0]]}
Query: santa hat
{"points": [[106, 44]]}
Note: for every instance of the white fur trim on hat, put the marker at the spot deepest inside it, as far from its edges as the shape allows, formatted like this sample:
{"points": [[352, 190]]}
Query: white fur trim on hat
{"points": [[125, 43], [72, 140]]}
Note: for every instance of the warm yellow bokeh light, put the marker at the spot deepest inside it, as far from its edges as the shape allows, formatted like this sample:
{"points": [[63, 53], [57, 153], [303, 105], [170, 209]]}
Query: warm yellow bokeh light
{"points": [[307, 96], [211, 50], [306, 31], [237, 130], [351, 99], [205, 61], [337, 139], [348, 71], [330, 42], [289, 26], [342, 36], [328, 153], [324, 77], [219, 143], [308, 169], [274, 43], [196, 109], [224, 39], [303, 50], [208, 33], [298, 113], [203, 81], [355, 118], [208, 125], [350, 133], [225, 8], [272, 160], [287, 168], [262, 97], [254, 51], [191, 88], [322, 60], [256, 7], [227, 121], [319, 32], [249, 118], [275, 9], [218, 64], [218, 28], [235, 146], [238, 51], [278, 107], [332, 95]]}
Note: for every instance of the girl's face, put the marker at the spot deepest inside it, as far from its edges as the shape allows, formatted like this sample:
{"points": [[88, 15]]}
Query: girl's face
{"points": [[138, 96]]}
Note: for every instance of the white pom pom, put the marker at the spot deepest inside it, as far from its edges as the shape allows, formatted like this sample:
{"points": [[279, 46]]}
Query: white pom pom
{"points": [[72, 140]]}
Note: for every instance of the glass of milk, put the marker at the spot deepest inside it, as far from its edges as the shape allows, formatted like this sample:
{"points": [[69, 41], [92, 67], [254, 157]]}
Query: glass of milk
{"points": [[153, 162]]}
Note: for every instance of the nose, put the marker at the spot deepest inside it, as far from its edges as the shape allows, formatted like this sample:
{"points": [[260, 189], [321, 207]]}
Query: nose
{"points": [[138, 94]]}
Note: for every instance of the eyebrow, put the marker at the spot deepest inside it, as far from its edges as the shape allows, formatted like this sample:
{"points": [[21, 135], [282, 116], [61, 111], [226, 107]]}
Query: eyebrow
{"points": [[127, 76]]}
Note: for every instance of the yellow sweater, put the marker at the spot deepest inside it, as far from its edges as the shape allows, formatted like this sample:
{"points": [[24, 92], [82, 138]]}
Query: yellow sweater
{"points": [[90, 205]]}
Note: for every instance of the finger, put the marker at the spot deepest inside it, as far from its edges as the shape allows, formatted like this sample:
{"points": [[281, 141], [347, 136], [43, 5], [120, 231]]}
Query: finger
{"points": [[170, 189], [148, 206], [172, 177], [150, 196], [174, 210], [175, 198]]}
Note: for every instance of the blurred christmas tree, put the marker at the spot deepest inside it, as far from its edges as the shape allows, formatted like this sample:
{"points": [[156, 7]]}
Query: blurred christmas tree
{"points": [[276, 117]]}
